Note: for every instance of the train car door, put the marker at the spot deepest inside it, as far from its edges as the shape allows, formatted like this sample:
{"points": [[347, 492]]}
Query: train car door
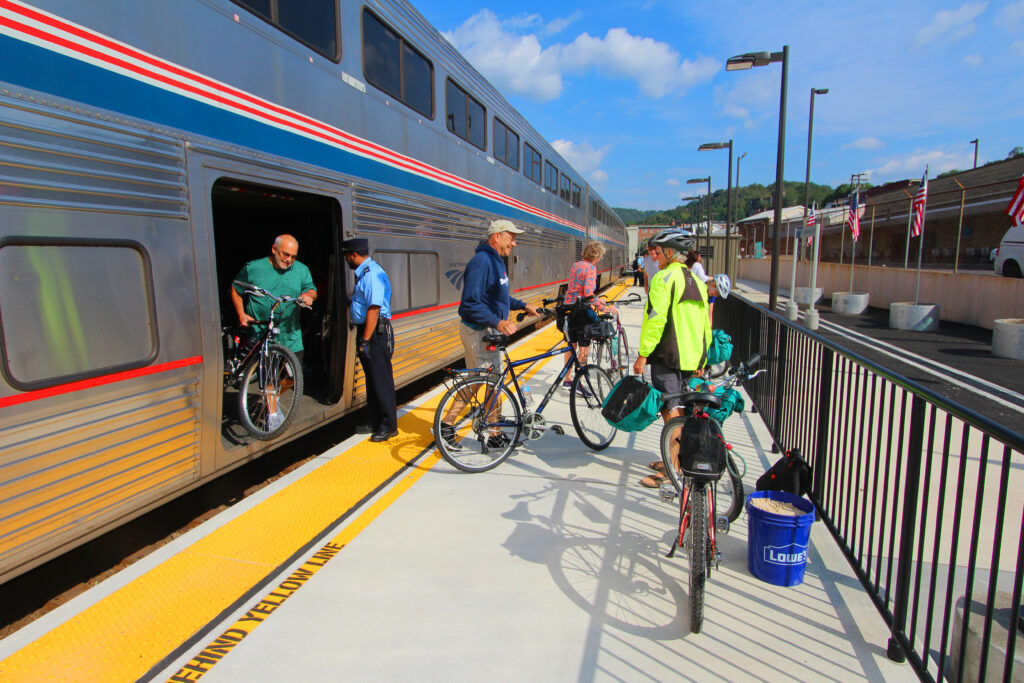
{"points": [[247, 207]]}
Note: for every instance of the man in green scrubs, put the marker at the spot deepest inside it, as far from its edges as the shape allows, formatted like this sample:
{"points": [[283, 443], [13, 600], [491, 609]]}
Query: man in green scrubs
{"points": [[281, 275]]}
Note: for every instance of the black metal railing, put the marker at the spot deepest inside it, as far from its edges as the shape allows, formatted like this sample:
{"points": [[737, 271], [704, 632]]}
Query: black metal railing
{"points": [[913, 487]]}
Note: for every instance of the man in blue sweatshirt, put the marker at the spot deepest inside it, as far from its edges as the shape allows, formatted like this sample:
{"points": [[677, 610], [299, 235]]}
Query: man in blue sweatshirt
{"points": [[484, 308]]}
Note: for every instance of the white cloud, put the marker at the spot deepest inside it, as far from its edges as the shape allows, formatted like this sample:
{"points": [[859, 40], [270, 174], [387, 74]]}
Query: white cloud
{"points": [[558, 25], [583, 156], [865, 143], [672, 182], [517, 62], [514, 63], [912, 166], [598, 178], [972, 60], [751, 94], [952, 24], [1011, 15]]}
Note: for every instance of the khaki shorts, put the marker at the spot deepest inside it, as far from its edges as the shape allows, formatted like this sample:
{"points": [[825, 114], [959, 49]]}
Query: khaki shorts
{"points": [[477, 353], [668, 381]]}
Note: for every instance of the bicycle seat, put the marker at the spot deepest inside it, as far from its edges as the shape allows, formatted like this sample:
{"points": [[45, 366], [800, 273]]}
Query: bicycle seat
{"points": [[701, 397], [606, 316], [496, 339]]}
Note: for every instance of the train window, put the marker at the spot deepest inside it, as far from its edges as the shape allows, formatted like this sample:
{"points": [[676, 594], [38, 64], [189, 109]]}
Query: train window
{"points": [[314, 22], [414, 278], [74, 310], [392, 65], [550, 177], [563, 190], [531, 163], [577, 196], [465, 116], [506, 144]]}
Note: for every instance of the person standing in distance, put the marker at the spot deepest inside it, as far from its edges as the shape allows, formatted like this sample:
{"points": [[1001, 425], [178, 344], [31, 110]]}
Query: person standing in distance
{"points": [[370, 312], [281, 275], [676, 330], [651, 266], [485, 306]]}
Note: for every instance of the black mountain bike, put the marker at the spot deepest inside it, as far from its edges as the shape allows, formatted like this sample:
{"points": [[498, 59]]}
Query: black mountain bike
{"points": [[268, 376], [613, 353], [486, 411]]}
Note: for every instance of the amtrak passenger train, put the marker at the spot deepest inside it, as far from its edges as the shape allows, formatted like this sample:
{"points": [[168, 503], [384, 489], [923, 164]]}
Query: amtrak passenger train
{"points": [[150, 148]]}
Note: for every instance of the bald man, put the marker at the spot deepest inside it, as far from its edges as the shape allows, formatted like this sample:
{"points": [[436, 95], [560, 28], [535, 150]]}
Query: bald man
{"points": [[281, 275]]}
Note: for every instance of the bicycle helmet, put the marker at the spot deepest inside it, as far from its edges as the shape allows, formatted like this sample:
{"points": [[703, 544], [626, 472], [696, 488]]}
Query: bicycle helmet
{"points": [[681, 241], [724, 285]]}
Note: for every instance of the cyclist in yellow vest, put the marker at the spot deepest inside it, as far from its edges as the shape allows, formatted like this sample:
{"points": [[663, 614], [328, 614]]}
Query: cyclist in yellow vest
{"points": [[676, 330]]}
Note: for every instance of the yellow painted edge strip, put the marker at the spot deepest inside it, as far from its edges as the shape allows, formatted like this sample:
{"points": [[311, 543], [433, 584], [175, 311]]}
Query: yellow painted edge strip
{"points": [[217, 648]]}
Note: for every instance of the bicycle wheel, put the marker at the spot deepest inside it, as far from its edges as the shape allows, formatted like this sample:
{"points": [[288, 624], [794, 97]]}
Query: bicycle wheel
{"points": [[729, 493], [269, 392], [622, 355], [468, 439], [589, 389], [698, 547], [669, 437]]}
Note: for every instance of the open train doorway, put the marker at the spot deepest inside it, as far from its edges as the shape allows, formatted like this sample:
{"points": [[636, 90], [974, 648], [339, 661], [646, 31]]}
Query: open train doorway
{"points": [[247, 218]]}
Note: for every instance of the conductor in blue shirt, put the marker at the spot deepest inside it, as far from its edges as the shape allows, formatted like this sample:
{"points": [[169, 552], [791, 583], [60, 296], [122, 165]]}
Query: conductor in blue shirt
{"points": [[370, 312]]}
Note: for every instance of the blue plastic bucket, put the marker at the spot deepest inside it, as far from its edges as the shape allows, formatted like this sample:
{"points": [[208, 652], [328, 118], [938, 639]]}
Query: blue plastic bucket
{"points": [[777, 544]]}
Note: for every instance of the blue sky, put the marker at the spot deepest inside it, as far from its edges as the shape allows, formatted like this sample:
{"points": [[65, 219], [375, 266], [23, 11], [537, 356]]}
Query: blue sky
{"points": [[627, 90]]}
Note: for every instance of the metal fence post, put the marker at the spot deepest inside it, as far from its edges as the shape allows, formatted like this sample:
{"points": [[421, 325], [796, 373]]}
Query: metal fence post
{"points": [[784, 331], [824, 411], [908, 530]]}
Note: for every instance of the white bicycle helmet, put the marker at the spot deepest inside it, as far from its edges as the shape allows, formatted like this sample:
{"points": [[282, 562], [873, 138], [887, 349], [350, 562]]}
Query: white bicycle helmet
{"points": [[681, 241], [724, 285]]}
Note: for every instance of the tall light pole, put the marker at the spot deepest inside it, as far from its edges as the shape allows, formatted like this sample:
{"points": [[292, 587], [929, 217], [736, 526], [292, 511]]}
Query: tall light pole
{"points": [[975, 143], [728, 193], [690, 199], [747, 61], [811, 321], [707, 180], [738, 160]]}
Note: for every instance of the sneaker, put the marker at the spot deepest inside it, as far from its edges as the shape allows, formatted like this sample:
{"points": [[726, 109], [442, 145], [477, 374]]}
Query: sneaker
{"points": [[567, 384], [448, 435], [274, 420], [498, 441], [582, 391]]}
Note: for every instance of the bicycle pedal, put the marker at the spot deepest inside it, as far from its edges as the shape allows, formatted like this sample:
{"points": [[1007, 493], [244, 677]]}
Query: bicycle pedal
{"points": [[722, 524], [557, 429], [668, 493]]}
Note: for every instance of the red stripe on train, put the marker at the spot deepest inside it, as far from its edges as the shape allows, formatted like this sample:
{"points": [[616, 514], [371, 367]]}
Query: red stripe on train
{"points": [[98, 381]]}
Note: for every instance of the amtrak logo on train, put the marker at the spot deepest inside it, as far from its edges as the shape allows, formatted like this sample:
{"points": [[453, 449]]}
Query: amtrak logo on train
{"points": [[455, 277], [794, 553]]}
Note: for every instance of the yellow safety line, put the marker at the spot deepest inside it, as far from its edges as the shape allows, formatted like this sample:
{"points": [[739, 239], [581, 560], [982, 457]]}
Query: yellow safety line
{"points": [[122, 636]]}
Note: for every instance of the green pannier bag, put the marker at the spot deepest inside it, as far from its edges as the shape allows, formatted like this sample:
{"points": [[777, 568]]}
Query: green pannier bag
{"points": [[632, 405], [731, 400], [720, 350]]}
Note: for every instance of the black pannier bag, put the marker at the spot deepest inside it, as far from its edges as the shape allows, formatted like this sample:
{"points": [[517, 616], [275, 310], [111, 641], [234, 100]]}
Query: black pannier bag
{"points": [[791, 474], [632, 405], [599, 331], [702, 450]]}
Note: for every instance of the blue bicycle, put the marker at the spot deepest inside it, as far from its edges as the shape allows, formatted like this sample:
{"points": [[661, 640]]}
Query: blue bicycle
{"points": [[486, 411]]}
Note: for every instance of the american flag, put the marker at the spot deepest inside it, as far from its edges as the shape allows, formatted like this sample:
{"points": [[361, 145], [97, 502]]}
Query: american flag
{"points": [[853, 218], [811, 221], [1016, 207], [918, 207]]}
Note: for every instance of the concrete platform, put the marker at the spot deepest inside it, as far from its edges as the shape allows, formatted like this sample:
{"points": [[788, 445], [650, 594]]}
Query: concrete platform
{"points": [[551, 567]]}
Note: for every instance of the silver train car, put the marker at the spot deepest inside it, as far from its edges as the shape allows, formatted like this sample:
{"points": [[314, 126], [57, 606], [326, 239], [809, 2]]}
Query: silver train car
{"points": [[148, 149]]}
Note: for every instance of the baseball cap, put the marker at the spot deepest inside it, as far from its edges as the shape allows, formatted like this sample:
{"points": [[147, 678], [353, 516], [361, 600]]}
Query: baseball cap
{"points": [[502, 225]]}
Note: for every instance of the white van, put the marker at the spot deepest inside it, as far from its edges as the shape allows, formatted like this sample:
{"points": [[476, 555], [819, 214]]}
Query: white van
{"points": [[1010, 259]]}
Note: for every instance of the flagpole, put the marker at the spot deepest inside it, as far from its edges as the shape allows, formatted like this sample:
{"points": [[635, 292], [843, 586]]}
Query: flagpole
{"points": [[871, 238], [842, 245], [910, 215], [920, 246]]}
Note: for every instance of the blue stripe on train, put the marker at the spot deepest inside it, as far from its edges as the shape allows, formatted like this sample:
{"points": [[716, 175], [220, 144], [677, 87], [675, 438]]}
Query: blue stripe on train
{"points": [[55, 74]]}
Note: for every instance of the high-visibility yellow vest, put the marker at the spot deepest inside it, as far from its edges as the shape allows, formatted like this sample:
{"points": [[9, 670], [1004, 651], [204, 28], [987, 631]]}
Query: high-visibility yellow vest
{"points": [[676, 330]]}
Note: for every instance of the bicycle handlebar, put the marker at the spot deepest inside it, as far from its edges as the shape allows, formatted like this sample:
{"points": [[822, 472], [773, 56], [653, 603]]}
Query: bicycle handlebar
{"points": [[253, 290]]}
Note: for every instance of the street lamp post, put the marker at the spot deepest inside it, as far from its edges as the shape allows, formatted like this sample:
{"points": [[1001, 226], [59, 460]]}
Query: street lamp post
{"points": [[728, 193], [707, 180], [747, 61], [791, 307], [975, 143], [690, 199]]}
